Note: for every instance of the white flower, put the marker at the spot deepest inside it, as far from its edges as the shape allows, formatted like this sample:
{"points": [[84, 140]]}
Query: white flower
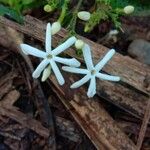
{"points": [[92, 72], [50, 56], [56, 26], [84, 15], [128, 9]]}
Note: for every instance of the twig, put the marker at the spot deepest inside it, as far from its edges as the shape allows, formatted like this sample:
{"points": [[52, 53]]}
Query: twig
{"points": [[144, 126], [5, 134], [72, 23]]}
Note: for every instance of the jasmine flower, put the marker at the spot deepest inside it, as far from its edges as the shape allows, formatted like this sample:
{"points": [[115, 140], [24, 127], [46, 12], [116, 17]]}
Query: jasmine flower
{"points": [[50, 56], [92, 72]]}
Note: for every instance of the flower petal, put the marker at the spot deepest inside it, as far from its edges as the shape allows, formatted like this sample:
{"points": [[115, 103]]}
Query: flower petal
{"points": [[27, 49], [88, 57], [48, 38], [106, 58], [81, 82], [57, 72], [92, 87], [67, 61], [64, 46], [40, 68], [107, 77], [75, 70]]}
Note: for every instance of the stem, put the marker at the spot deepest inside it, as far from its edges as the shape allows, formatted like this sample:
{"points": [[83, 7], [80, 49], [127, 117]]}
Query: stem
{"points": [[63, 12], [74, 18]]}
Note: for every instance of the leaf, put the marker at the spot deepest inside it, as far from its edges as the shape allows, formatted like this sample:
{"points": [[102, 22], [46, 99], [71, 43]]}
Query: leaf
{"points": [[26, 2], [34, 4], [11, 13]]}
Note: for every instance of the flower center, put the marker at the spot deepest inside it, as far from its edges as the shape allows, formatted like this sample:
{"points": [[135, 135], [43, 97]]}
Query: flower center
{"points": [[49, 56], [93, 72]]}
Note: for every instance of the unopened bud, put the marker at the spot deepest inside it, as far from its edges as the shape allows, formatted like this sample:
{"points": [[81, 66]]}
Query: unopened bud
{"points": [[48, 8], [84, 15], [79, 44], [56, 26], [46, 73], [113, 32], [128, 9]]}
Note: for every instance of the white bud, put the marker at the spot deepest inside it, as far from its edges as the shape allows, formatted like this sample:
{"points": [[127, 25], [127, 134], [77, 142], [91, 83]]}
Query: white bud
{"points": [[113, 32], [84, 15], [56, 26], [79, 44], [128, 9], [46, 73]]}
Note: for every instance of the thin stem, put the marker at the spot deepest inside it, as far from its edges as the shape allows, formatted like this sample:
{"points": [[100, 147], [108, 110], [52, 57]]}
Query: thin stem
{"points": [[72, 24], [63, 12]]}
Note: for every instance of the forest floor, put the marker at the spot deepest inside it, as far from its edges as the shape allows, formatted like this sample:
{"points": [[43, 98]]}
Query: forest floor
{"points": [[32, 113]]}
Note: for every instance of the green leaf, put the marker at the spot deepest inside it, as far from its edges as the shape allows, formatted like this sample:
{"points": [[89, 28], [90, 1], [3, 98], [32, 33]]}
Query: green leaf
{"points": [[26, 2], [11, 13], [34, 4]]}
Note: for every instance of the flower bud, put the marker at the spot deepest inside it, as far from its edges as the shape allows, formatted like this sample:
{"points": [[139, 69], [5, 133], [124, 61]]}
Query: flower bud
{"points": [[79, 44], [128, 9], [113, 32], [48, 8], [46, 73], [56, 26], [84, 15]]}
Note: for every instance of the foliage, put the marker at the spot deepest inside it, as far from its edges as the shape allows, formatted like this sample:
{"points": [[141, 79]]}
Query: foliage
{"points": [[112, 10], [15, 8], [10, 13], [100, 11]]}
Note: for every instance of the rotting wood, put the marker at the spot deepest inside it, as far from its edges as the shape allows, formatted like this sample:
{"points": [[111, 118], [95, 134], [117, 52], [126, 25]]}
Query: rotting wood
{"points": [[6, 109], [67, 129], [138, 27], [8, 135], [92, 117], [144, 126], [10, 98], [127, 94], [45, 114], [6, 84], [24, 120]]}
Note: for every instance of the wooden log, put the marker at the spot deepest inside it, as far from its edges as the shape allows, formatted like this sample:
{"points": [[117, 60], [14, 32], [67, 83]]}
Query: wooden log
{"points": [[92, 117], [130, 94]]}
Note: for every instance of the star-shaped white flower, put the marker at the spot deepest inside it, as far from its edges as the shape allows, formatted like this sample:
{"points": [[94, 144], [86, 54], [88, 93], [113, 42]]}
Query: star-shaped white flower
{"points": [[50, 56], [92, 72]]}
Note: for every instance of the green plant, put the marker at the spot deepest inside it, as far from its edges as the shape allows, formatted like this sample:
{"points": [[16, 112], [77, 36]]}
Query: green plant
{"points": [[14, 8]]}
